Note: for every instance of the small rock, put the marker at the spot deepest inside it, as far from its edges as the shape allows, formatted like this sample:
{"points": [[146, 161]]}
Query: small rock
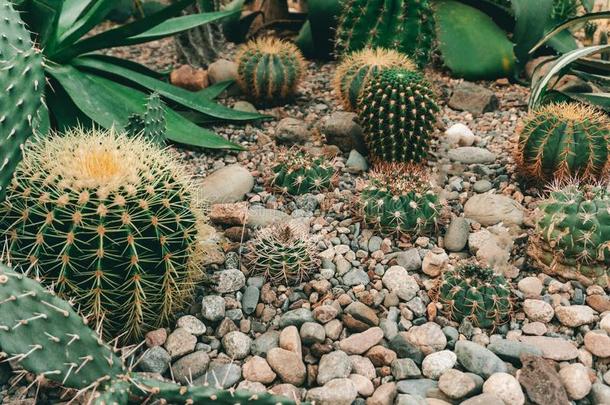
{"points": [[237, 344], [190, 367], [189, 78], [312, 332], [538, 310], [356, 163], [471, 155], [534, 328], [258, 370], [473, 98], [490, 209], [341, 129], [482, 186], [477, 359], [512, 351], [384, 395], [457, 235], [396, 279], [229, 214], [428, 337], [435, 262], [290, 339], [362, 313], [600, 394], [575, 315], [287, 365], [291, 131], [363, 366], [244, 106], [460, 134], [325, 313], [381, 356], [405, 368], [213, 308], [531, 287], [409, 259], [296, 317], [227, 281], [226, 185], [179, 343], [222, 70], [435, 364], [359, 343], [605, 323], [333, 365], [340, 391], [155, 360], [221, 375], [575, 378], [421, 387], [506, 387], [191, 324], [265, 342], [252, 387], [356, 277], [557, 349], [456, 384], [250, 299], [598, 343], [363, 385], [287, 390], [484, 399], [156, 337]]}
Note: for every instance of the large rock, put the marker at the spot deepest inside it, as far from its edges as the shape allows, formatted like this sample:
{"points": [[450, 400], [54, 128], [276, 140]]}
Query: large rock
{"points": [[226, 185], [471, 155], [435, 364], [257, 369], [490, 209], [574, 316], [473, 98], [512, 351], [575, 378], [291, 131], [341, 129], [478, 360]]}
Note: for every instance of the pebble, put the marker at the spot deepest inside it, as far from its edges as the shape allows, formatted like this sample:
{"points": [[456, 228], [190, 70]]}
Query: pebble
{"points": [[428, 337], [435, 364], [191, 324], [506, 387], [456, 237], [292, 131], [534, 328], [363, 366], [362, 313], [460, 134], [538, 310], [553, 348], [179, 343], [226, 185], [222, 375], [435, 262], [482, 186], [478, 359], [257, 369], [237, 344], [409, 259], [259, 217], [490, 209], [575, 378], [333, 365], [312, 332], [420, 387], [356, 277], [227, 281], [325, 313], [456, 384], [287, 365], [531, 287], [397, 280], [471, 155], [341, 129], [359, 343], [384, 395], [484, 399], [296, 317], [598, 343], [190, 367], [541, 381], [511, 351], [605, 323], [575, 315], [213, 308], [222, 70], [340, 391], [155, 360], [405, 368], [290, 339], [265, 342], [356, 163], [473, 98], [363, 385]]}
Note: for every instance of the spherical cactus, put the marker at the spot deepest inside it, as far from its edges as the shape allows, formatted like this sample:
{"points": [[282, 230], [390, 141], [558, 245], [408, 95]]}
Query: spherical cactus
{"points": [[283, 254], [298, 172], [399, 199], [474, 293], [355, 71], [404, 25], [572, 237], [397, 112], [109, 222], [564, 140], [269, 70]]}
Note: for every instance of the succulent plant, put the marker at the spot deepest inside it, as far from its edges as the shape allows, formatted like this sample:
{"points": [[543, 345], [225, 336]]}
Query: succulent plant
{"points": [[43, 334], [564, 9], [356, 69], [283, 254], [572, 237], [404, 25], [151, 125], [298, 172], [397, 112], [269, 70], [109, 221], [564, 140], [476, 294], [399, 199]]}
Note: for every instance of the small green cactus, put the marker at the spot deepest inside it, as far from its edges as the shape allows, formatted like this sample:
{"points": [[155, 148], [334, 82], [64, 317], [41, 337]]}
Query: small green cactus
{"points": [[397, 111], [298, 172], [564, 140], [151, 125], [603, 40], [572, 237], [399, 199], [109, 221], [269, 70], [404, 25], [476, 294], [283, 254], [564, 10], [590, 31], [355, 71]]}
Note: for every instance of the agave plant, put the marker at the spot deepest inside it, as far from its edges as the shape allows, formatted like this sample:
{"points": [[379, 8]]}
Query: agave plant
{"points": [[84, 87]]}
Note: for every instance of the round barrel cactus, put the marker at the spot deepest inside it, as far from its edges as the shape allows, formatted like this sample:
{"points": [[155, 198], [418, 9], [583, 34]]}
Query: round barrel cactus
{"points": [[475, 293], [108, 221], [283, 254], [397, 111], [564, 140], [399, 199], [269, 70], [356, 69], [298, 172], [573, 234]]}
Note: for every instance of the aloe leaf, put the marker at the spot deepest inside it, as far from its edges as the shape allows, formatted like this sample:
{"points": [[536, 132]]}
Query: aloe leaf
{"points": [[531, 19], [91, 17]]}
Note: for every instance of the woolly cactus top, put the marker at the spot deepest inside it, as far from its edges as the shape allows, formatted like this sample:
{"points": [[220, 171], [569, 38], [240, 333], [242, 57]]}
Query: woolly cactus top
{"points": [[400, 178]]}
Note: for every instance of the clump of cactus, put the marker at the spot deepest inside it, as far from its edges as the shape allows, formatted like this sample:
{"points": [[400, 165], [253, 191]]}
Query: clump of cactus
{"points": [[357, 68], [283, 254], [404, 25], [43, 334], [564, 140], [399, 199], [572, 237], [299, 172], [475, 293], [151, 125], [397, 111], [109, 221], [269, 70]]}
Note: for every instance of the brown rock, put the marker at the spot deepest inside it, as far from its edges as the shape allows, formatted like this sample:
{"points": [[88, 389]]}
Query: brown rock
{"points": [[362, 313], [383, 395], [268, 296], [541, 381], [287, 365], [237, 233], [226, 326], [179, 343], [290, 340], [156, 337], [557, 349], [598, 343], [257, 370], [189, 78], [600, 303], [289, 391], [353, 324], [325, 313], [381, 356], [359, 343], [229, 214]]}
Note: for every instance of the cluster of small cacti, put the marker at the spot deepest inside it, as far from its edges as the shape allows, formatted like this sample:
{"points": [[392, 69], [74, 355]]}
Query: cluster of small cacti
{"points": [[397, 111], [564, 140], [283, 254], [269, 70], [399, 199], [151, 125], [43, 334], [474, 293], [357, 68], [109, 221], [573, 234], [299, 172], [404, 25]]}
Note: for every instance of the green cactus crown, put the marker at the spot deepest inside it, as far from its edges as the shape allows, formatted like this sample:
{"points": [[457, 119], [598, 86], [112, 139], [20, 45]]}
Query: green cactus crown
{"points": [[475, 293], [299, 172]]}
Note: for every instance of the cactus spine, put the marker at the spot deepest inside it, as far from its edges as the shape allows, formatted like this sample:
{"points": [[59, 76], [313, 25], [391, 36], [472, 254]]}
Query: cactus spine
{"points": [[282, 253], [108, 220], [299, 172], [404, 25], [355, 71], [399, 199], [573, 234], [269, 70], [475, 293], [564, 140], [151, 125], [22, 85], [397, 112]]}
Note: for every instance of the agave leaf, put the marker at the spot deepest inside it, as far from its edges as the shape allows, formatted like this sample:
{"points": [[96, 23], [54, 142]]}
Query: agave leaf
{"points": [[531, 19], [91, 17], [215, 90], [600, 100], [44, 15]]}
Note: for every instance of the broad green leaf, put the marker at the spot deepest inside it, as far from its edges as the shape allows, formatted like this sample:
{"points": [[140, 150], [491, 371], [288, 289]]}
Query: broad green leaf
{"points": [[215, 90], [563, 42], [128, 64], [531, 17], [91, 17], [64, 113], [322, 15], [43, 16], [70, 11], [183, 97], [595, 66], [110, 104], [471, 44]]}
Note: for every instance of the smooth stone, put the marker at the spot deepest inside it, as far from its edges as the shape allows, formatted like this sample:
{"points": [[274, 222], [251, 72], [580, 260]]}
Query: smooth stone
{"points": [[340, 391], [356, 277], [227, 281], [259, 217], [428, 337], [341, 129], [482, 186], [155, 360], [292, 131], [409, 259], [237, 344], [179, 343], [359, 343], [574, 316], [363, 385], [221, 375], [484, 399], [511, 351], [265, 342], [575, 378], [473, 98], [287, 365], [312, 332], [250, 299], [456, 237], [213, 308], [226, 185], [456, 384], [190, 367], [222, 70], [471, 155], [506, 387], [557, 349], [244, 106], [405, 368], [191, 324], [362, 313], [478, 360], [296, 317], [460, 134], [419, 387], [257, 369], [356, 163], [333, 365], [538, 310], [490, 209], [435, 364]]}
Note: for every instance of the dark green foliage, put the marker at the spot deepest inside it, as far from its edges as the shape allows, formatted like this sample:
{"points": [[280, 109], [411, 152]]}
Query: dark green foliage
{"points": [[573, 234], [564, 140], [269, 70], [298, 172], [399, 199], [403, 25], [397, 111], [476, 294], [151, 125]]}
